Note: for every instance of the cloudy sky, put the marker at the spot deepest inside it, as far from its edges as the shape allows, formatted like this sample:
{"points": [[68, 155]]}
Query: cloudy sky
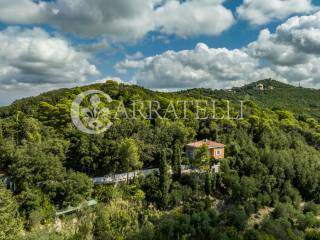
{"points": [[159, 44]]}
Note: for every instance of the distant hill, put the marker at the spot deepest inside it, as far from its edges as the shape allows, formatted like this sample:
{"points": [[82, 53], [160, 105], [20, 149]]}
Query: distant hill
{"points": [[275, 94]]}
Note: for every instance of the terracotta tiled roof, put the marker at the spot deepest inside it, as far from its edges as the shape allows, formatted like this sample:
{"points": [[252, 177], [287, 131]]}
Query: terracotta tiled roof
{"points": [[210, 144]]}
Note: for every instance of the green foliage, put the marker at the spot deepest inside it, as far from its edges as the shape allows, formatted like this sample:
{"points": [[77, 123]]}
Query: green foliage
{"points": [[208, 184], [312, 234], [57, 115], [10, 223], [165, 178], [129, 154], [177, 161], [267, 188], [40, 166], [116, 221], [201, 158], [35, 207], [77, 187], [281, 96], [151, 186]]}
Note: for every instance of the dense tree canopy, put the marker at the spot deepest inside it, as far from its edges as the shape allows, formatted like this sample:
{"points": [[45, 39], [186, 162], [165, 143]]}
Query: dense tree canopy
{"points": [[267, 188], [10, 223]]}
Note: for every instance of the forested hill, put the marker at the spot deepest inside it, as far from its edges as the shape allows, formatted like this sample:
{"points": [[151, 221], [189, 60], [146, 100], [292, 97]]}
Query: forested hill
{"points": [[275, 94], [267, 186], [299, 100], [115, 90]]}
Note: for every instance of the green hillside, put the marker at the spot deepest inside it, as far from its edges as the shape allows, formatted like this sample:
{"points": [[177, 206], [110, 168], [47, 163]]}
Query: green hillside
{"points": [[301, 101], [268, 185]]}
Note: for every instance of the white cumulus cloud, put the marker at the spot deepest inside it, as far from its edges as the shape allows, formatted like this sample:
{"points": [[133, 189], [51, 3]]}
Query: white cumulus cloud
{"points": [[199, 67], [290, 54], [259, 12], [192, 17], [122, 20], [303, 33], [23, 11], [33, 57], [294, 42], [293, 51], [277, 52]]}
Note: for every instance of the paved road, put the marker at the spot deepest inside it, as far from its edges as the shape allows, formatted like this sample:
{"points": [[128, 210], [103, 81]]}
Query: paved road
{"points": [[122, 177]]}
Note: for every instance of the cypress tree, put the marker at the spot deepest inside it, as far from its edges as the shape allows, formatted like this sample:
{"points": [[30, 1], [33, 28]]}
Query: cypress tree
{"points": [[165, 180], [177, 161], [1, 134], [208, 184]]}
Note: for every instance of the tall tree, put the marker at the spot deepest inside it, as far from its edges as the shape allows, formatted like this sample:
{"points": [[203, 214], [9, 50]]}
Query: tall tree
{"points": [[208, 183], [165, 178], [129, 153], [1, 134], [176, 164], [202, 158]]}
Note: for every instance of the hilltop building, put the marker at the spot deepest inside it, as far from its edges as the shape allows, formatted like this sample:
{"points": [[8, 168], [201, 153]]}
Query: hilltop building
{"points": [[260, 87]]}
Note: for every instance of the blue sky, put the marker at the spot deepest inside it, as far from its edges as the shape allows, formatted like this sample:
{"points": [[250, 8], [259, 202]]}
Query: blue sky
{"points": [[159, 44]]}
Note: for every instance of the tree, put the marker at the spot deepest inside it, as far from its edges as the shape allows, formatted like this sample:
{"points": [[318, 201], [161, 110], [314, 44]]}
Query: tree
{"points": [[117, 220], [129, 153], [151, 186], [247, 188], [312, 234], [202, 158], [165, 178], [237, 217], [35, 207], [10, 223], [57, 116], [176, 163], [37, 165], [84, 152], [84, 225], [34, 165], [77, 187], [208, 183], [1, 134]]}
